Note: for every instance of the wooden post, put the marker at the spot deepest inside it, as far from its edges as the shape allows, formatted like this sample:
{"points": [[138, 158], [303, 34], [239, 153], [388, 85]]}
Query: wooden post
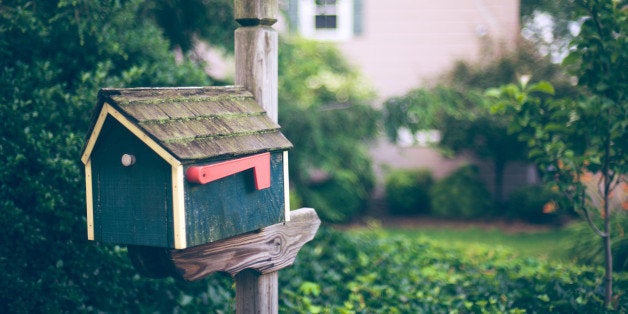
{"points": [[256, 51], [256, 293], [256, 69]]}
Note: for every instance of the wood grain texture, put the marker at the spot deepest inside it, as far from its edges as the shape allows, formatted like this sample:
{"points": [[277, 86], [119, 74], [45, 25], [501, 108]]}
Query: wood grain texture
{"points": [[256, 293], [266, 251], [232, 205], [132, 205], [256, 65]]}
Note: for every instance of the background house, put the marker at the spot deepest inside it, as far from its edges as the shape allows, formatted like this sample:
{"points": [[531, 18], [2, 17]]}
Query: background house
{"points": [[404, 44]]}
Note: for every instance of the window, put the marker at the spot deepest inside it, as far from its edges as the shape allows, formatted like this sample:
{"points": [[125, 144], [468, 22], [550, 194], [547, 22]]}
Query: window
{"points": [[325, 19]]}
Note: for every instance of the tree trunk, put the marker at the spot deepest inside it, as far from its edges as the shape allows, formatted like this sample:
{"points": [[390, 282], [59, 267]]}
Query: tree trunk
{"points": [[608, 274], [608, 293], [499, 167]]}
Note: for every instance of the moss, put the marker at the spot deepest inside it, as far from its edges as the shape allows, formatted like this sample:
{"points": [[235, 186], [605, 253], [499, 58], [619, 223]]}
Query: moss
{"points": [[227, 116], [180, 99]]}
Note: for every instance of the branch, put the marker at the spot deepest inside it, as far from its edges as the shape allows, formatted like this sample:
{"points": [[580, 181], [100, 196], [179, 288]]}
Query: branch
{"points": [[592, 224]]}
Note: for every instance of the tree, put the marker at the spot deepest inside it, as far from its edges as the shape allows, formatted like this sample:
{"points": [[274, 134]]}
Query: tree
{"points": [[324, 110], [550, 25], [459, 109], [184, 21], [570, 138], [54, 55]]}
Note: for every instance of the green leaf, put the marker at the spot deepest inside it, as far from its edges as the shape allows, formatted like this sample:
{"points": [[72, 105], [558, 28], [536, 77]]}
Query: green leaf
{"points": [[572, 59], [493, 92], [542, 87]]}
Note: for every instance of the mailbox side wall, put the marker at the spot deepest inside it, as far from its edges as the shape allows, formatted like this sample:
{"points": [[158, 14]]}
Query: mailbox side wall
{"points": [[232, 206], [132, 205]]}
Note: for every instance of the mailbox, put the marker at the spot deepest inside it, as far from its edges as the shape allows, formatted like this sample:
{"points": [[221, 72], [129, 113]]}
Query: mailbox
{"points": [[180, 167]]}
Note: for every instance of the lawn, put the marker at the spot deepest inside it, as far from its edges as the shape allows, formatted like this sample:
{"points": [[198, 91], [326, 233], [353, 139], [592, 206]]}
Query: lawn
{"points": [[525, 240], [544, 244]]}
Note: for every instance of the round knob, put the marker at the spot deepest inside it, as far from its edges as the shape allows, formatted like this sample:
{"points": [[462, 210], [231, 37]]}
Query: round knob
{"points": [[128, 160]]}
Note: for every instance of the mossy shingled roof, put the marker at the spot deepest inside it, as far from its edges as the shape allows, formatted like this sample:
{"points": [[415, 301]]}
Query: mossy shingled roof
{"points": [[197, 123]]}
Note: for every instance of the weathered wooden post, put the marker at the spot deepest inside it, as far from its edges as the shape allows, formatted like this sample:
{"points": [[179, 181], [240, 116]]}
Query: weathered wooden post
{"points": [[194, 180], [256, 45]]}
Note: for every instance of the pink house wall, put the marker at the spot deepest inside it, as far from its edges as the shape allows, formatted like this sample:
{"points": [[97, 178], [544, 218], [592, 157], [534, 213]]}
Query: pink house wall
{"points": [[406, 43]]}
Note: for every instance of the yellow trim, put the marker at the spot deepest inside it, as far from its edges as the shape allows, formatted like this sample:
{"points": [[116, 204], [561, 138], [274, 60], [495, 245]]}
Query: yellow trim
{"points": [[89, 199], [142, 136], [109, 110], [91, 142], [286, 186], [178, 207]]}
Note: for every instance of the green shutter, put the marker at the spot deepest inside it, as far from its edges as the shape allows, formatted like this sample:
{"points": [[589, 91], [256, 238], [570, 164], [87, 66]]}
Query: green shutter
{"points": [[358, 8], [293, 15]]}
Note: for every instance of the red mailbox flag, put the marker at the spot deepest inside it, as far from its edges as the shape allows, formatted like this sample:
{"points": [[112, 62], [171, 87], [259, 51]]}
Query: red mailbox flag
{"points": [[260, 164]]}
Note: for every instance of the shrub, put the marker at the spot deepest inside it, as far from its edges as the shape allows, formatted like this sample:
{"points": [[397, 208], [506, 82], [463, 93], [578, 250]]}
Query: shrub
{"points": [[378, 272], [407, 191], [54, 55], [324, 111], [585, 245], [535, 204], [338, 199], [461, 195]]}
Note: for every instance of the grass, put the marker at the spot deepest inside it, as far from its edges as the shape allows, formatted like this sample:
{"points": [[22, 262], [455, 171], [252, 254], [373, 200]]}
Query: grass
{"points": [[544, 244]]}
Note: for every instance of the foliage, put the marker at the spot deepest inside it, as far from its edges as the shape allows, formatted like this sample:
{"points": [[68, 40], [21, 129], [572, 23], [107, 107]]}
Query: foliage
{"points": [[324, 110], [185, 21], [377, 272], [408, 191], [459, 109], [509, 67], [573, 138], [461, 195], [536, 204], [53, 58], [585, 246], [550, 25]]}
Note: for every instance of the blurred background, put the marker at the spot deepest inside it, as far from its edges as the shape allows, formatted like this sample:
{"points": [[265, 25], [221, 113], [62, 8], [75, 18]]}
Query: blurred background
{"points": [[395, 138]]}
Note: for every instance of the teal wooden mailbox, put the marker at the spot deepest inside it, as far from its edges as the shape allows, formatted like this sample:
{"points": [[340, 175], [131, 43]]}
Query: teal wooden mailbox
{"points": [[180, 167]]}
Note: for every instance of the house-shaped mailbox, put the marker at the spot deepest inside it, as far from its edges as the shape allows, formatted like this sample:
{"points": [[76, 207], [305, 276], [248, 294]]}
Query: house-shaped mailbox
{"points": [[180, 167]]}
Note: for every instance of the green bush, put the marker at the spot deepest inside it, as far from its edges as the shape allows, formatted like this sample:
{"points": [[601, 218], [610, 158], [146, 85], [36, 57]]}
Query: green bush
{"points": [[535, 204], [461, 195], [376, 272], [338, 199], [54, 55], [585, 244], [407, 191], [324, 109]]}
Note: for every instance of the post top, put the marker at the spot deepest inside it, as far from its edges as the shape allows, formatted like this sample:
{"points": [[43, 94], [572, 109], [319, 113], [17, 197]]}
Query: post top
{"points": [[256, 12]]}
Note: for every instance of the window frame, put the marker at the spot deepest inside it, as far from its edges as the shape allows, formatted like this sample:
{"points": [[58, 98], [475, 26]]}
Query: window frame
{"points": [[309, 10]]}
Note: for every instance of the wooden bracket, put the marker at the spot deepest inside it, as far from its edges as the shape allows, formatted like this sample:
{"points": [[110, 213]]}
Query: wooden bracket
{"points": [[264, 251]]}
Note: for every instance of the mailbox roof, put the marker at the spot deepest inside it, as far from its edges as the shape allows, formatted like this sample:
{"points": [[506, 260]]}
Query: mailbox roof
{"points": [[197, 123]]}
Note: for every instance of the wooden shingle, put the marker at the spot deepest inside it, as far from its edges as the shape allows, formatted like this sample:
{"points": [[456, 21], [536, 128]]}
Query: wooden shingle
{"points": [[198, 123]]}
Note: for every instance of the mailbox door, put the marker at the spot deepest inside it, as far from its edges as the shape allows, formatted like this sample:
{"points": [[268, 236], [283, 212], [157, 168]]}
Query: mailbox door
{"points": [[133, 203]]}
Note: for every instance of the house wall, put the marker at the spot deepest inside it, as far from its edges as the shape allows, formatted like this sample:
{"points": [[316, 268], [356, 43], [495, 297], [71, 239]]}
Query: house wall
{"points": [[404, 44]]}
